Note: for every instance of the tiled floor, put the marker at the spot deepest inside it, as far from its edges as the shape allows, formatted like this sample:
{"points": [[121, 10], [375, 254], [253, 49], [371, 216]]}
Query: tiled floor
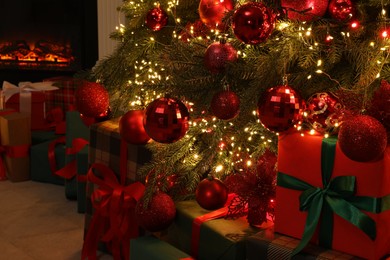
{"points": [[37, 222]]}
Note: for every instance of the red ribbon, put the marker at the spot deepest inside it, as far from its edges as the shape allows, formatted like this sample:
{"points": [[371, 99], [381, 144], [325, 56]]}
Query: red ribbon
{"points": [[198, 221], [56, 119], [12, 151], [114, 205], [70, 170]]}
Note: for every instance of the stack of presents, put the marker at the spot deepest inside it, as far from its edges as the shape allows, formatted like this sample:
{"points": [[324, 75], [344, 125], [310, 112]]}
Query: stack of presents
{"points": [[327, 206]]}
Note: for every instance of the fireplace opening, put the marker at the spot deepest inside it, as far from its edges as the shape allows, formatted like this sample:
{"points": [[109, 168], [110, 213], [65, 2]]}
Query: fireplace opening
{"points": [[46, 38]]}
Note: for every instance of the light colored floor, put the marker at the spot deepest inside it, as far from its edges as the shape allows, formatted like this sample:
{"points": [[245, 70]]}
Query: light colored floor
{"points": [[37, 222]]}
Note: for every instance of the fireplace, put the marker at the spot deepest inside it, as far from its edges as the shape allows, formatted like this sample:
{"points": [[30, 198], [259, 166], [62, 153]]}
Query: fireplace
{"points": [[46, 38]]}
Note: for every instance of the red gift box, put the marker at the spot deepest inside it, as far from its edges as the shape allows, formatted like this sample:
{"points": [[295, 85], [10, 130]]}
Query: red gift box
{"points": [[300, 157]]}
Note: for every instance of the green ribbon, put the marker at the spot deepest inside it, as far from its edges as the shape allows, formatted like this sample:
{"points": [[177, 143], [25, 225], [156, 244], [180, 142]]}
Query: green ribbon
{"points": [[336, 196]]}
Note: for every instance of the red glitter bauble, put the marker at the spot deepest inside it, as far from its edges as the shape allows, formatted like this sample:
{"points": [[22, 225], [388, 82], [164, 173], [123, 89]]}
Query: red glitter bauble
{"points": [[131, 127], [280, 108], [92, 99], [156, 19], [305, 10], [225, 105], [341, 9], [380, 105], [166, 120], [212, 12], [253, 23], [324, 111], [159, 214], [362, 138], [211, 193], [217, 55]]}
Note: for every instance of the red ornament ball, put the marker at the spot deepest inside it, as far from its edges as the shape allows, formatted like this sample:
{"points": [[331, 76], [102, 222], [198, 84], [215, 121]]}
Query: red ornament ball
{"points": [[211, 193], [225, 105], [218, 55], [253, 23], [166, 120], [305, 10], [362, 138], [380, 105], [324, 111], [280, 108], [159, 214], [194, 30], [212, 12], [341, 10], [156, 19], [92, 99], [131, 127]]}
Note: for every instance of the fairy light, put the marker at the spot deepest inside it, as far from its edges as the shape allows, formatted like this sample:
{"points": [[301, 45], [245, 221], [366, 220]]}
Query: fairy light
{"points": [[219, 168]]}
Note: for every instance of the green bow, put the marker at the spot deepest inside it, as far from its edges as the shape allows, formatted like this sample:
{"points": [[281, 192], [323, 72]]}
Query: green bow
{"points": [[336, 196]]}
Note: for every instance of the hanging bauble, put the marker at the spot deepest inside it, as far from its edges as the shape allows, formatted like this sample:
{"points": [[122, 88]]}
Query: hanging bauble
{"points": [[362, 138], [380, 105], [305, 10], [211, 193], [156, 19], [158, 215], [166, 120], [225, 105], [212, 12], [91, 99], [253, 22], [280, 108], [341, 10], [131, 127], [324, 111], [218, 55]]}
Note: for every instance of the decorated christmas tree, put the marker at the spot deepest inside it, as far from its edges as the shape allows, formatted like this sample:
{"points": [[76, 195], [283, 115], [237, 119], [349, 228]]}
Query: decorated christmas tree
{"points": [[215, 83]]}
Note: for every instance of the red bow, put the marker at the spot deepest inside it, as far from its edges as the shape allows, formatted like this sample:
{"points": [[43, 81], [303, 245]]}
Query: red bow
{"points": [[14, 151], [114, 206]]}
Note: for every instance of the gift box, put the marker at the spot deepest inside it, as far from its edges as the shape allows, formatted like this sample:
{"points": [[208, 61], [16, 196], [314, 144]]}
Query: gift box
{"points": [[16, 140], [218, 238], [352, 206], [113, 172], [38, 137], [63, 97], [152, 248], [273, 246], [42, 169]]}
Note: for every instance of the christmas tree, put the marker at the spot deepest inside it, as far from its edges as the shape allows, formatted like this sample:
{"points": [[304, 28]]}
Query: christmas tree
{"points": [[245, 72]]}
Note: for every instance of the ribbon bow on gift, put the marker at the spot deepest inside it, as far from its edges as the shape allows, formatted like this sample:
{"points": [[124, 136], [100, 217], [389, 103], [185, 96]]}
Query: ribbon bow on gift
{"points": [[337, 196], [9, 89], [114, 205]]}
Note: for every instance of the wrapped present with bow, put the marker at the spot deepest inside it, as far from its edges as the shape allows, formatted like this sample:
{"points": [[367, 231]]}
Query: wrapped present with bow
{"points": [[15, 146], [28, 98], [324, 197]]}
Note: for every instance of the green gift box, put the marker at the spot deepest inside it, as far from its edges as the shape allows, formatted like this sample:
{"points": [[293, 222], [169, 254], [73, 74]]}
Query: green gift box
{"points": [[82, 169], [219, 238], [75, 128], [39, 165], [38, 137], [273, 246], [152, 248]]}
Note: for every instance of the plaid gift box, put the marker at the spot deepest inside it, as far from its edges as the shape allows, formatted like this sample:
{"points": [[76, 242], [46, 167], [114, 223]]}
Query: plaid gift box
{"points": [[105, 148], [64, 96], [273, 246]]}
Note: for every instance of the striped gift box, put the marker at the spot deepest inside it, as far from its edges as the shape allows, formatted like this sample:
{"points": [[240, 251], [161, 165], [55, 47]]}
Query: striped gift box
{"points": [[273, 246], [105, 147]]}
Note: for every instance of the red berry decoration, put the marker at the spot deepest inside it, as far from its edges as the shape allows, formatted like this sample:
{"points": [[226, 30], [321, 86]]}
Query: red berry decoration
{"points": [[280, 108], [225, 105], [156, 19], [161, 180], [92, 99], [305, 10], [212, 12], [253, 23], [131, 127], [166, 120], [217, 55], [211, 193], [362, 138], [341, 10], [158, 215], [324, 111]]}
